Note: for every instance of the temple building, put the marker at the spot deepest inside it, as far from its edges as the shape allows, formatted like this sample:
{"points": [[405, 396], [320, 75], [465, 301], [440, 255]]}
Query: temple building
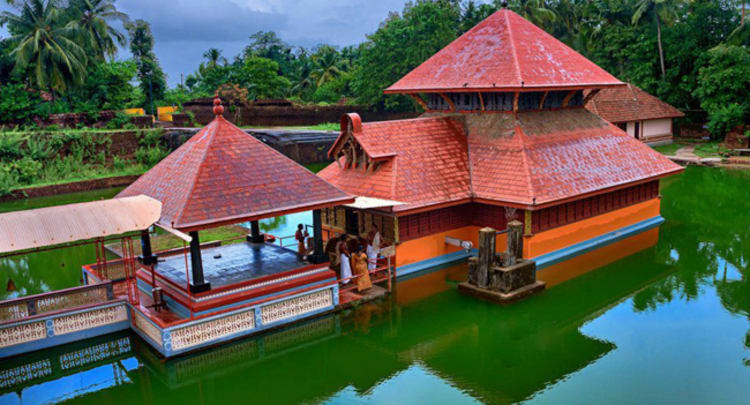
{"points": [[636, 112], [505, 135]]}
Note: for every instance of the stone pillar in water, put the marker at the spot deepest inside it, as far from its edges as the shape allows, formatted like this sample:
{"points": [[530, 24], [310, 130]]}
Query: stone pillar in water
{"points": [[486, 255], [515, 241]]}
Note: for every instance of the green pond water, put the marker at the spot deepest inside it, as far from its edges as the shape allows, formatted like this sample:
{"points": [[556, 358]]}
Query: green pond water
{"points": [[666, 325]]}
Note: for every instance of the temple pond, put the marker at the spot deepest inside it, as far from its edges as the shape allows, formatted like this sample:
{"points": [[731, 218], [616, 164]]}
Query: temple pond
{"points": [[667, 325]]}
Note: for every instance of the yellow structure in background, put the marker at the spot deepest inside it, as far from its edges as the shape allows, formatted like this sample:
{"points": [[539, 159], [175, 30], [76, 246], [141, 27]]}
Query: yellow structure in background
{"points": [[165, 113], [135, 111]]}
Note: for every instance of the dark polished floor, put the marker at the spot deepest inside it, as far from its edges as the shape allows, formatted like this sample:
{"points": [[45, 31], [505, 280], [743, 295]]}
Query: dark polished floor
{"points": [[233, 263]]}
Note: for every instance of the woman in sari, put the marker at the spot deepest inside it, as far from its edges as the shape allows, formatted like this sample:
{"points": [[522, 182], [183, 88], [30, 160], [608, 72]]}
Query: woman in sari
{"points": [[359, 260], [346, 267]]}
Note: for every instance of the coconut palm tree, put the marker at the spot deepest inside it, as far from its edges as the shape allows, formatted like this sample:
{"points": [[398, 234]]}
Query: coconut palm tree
{"points": [[92, 19], [213, 56], [46, 46], [536, 11], [328, 65], [661, 12]]}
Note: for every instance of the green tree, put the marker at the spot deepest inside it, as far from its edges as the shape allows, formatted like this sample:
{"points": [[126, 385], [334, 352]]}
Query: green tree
{"points": [[266, 44], [328, 65], [400, 44], [536, 11], [45, 45], [723, 86], [91, 19], [213, 56], [107, 87], [260, 77], [660, 12], [153, 82]]}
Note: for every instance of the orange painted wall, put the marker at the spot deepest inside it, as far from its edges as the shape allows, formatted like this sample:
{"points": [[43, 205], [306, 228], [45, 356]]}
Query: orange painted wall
{"points": [[564, 236], [427, 247], [576, 266]]}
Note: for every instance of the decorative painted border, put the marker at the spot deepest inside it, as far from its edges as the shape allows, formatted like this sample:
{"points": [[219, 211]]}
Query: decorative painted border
{"points": [[294, 307], [88, 320], [195, 334], [147, 327], [24, 333]]}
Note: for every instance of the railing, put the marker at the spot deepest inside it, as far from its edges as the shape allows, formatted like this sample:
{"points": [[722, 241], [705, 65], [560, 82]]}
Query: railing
{"points": [[22, 308], [327, 234]]}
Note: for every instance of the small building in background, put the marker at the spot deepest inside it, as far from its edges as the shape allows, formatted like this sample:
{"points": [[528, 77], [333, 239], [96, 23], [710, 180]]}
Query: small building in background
{"points": [[636, 112]]}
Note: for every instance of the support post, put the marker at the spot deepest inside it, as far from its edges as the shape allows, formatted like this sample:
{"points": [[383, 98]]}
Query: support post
{"points": [[255, 236], [196, 264], [147, 256], [515, 241], [486, 255], [318, 255]]}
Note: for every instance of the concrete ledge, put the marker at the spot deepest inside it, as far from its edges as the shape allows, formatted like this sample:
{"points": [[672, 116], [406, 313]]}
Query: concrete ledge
{"points": [[429, 265], [578, 249], [499, 297]]}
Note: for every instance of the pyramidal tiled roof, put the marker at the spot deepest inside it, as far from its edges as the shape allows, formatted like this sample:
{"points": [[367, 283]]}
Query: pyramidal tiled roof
{"points": [[531, 159], [223, 175], [629, 103], [504, 52]]}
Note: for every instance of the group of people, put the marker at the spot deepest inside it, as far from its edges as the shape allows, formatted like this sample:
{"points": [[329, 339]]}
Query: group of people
{"points": [[355, 257], [350, 256]]}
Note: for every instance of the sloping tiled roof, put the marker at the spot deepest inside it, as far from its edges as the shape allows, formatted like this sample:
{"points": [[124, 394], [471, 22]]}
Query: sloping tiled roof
{"points": [[223, 175], [428, 163], [629, 103], [504, 52], [535, 159], [548, 156]]}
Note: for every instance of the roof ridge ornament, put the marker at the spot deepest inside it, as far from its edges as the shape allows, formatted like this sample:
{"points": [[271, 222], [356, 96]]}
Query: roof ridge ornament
{"points": [[218, 108]]}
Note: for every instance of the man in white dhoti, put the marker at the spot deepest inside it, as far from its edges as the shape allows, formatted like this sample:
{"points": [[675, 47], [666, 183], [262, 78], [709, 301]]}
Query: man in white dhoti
{"points": [[346, 265]]}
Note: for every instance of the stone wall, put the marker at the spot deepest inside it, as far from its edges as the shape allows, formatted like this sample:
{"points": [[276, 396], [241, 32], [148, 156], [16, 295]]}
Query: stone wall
{"points": [[293, 115]]}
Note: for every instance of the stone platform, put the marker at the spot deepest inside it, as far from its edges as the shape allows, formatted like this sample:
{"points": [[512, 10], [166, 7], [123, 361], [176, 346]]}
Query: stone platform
{"points": [[500, 297]]}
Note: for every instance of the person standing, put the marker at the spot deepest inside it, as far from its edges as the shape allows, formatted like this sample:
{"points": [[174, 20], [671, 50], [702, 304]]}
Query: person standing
{"points": [[300, 236], [359, 260], [345, 259]]}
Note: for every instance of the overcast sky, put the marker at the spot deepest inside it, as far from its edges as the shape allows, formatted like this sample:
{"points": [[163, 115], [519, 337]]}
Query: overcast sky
{"points": [[184, 29]]}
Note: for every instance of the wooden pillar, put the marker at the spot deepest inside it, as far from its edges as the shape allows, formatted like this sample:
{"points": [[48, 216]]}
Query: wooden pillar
{"points": [[318, 256], [255, 236], [515, 241], [486, 255], [199, 284], [147, 256]]}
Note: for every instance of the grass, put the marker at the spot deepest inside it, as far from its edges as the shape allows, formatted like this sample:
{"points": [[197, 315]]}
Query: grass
{"points": [[669, 149], [316, 167], [92, 173], [708, 149], [167, 241]]}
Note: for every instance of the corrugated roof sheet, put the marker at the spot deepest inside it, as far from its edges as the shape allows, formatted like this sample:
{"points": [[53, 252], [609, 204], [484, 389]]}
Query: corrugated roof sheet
{"points": [[224, 175], [630, 103], [50, 226], [504, 51], [528, 159]]}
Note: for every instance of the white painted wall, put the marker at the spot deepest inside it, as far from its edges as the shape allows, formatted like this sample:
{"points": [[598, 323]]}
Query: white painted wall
{"points": [[631, 128], [658, 127]]}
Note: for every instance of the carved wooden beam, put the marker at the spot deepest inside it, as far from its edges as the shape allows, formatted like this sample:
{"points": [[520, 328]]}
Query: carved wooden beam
{"points": [[364, 160], [516, 95], [544, 98], [591, 95], [567, 98], [419, 101], [449, 101], [481, 101]]}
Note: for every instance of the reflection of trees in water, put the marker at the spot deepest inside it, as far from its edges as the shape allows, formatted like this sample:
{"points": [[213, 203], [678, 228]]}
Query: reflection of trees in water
{"points": [[706, 236], [271, 224]]}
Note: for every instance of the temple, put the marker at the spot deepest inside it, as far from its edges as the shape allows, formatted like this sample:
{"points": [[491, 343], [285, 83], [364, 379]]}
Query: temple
{"points": [[505, 136]]}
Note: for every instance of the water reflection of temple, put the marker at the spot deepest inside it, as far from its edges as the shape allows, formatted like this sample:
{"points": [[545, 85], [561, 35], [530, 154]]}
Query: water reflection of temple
{"points": [[470, 347]]}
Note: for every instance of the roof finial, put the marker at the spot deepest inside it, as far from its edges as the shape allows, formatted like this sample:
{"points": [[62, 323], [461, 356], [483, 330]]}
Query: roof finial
{"points": [[218, 108]]}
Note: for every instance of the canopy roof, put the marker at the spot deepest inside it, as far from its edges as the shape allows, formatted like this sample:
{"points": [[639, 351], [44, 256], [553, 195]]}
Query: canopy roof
{"points": [[41, 227], [223, 175], [504, 52], [629, 103], [528, 160]]}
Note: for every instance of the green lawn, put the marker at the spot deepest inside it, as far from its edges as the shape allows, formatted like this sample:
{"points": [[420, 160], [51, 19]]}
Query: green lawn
{"points": [[708, 149], [668, 150]]}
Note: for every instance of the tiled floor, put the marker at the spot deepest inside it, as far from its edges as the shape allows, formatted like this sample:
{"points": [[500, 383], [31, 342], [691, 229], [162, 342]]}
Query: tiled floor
{"points": [[234, 263]]}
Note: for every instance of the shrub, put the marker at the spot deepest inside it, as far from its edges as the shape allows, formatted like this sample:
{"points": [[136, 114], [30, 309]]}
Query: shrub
{"points": [[10, 145], [27, 170], [150, 156], [119, 121], [725, 118]]}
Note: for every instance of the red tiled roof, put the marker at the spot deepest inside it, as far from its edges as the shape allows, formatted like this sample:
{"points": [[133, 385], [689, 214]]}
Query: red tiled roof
{"points": [[548, 156], [535, 159], [504, 52], [629, 103], [428, 163], [224, 175]]}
